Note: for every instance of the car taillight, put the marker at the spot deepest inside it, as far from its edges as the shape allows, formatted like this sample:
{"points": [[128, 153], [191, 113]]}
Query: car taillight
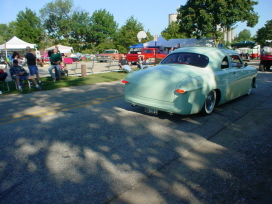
{"points": [[125, 81], [180, 91]]}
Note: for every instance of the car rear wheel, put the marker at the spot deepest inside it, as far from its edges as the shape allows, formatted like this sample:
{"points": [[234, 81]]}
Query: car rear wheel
{"points": [[253, 85], [249, 91], [209, 103]]}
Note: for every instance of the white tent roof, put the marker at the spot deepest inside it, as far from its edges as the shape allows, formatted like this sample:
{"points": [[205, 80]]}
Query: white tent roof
{"points": [[16, 43], [62, 49]]}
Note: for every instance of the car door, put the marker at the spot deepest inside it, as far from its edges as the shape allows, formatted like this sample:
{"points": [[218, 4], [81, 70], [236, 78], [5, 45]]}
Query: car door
{"points": [[225, 79], [239, 83]]}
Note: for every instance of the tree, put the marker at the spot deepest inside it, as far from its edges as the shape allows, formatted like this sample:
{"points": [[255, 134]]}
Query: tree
{"points": [[201, 17], [80, 30], [127, 34], [264, 33], [4, 33], [172, 32], [3, 29], [28, 26], [56, 18], [7, 31], [244, 35], [103, 27]]}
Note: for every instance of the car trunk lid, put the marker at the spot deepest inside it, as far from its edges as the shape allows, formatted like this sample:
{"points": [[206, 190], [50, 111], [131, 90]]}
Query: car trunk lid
{"points": [[159, 83]]}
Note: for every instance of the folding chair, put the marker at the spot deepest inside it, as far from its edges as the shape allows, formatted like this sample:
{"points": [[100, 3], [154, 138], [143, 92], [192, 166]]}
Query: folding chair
{"points": [[109, 63], [17, 85], [91, 67], [74, 69], [7, 85]]}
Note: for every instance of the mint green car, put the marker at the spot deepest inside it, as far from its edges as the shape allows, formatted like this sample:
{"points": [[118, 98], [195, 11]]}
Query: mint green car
{"points": [[190, 80]]}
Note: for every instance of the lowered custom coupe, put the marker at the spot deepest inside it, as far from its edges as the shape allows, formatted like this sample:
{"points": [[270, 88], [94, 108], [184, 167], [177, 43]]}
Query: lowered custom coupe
{"points": [[190, 80]]}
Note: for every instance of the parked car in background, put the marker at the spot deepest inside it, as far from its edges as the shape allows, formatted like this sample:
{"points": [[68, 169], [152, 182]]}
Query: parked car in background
{"points": [[108, 55], [90, 56], [190, 80], [146, 53]]}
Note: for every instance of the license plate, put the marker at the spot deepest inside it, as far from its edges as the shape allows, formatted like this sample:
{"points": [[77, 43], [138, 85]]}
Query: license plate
{"points": [[151, 111]]}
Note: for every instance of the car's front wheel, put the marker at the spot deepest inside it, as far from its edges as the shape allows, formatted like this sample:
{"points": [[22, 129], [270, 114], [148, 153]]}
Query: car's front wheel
{"points": [[209, 103]]}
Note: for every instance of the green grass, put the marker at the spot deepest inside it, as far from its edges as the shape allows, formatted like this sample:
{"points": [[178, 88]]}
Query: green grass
{"points": [[68, 81]]}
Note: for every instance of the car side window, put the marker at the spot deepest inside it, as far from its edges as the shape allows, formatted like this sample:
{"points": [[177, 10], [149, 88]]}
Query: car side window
{"points": [[236, 61], [147, 51], [225, 63]]}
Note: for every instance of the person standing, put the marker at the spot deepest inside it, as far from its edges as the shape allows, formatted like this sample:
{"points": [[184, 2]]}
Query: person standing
{"points": [[55, 60], [31, 63]]}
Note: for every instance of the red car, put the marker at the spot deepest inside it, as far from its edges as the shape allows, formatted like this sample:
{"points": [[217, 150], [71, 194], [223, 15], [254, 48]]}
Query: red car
{"points": [[146, 53]]}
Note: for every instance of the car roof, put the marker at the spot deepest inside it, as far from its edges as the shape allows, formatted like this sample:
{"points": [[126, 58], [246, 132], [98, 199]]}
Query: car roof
{"points": [[214, 54]]}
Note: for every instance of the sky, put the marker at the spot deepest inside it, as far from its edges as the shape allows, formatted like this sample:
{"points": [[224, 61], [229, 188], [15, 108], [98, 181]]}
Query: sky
{"points": [[153, 14]]}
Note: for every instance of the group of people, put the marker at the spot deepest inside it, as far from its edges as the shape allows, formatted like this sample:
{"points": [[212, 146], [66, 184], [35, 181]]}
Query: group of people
{"points": [[125, 64], [18, 73]]}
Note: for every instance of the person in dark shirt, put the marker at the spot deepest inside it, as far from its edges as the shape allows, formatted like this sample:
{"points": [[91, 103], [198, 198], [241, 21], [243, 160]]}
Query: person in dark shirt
{"points": [[55, 60], [19, 73], [31, 63], [124, 64]]}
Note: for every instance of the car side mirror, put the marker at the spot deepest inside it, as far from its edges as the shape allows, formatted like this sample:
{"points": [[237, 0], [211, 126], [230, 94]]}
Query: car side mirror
{"points": [[246, 64]]}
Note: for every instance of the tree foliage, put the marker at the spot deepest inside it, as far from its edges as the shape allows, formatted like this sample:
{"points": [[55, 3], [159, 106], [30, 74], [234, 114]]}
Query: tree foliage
{"points": [[28, 26], [60, 23], [56, 17], [80, 30], [172, 32], [103, 27], [244, 35], [7, 31], [127, 34], [264, 33], [201, 17]]}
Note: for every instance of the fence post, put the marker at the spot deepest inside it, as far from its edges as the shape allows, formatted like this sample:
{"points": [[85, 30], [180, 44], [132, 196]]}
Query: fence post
{"points": [[83, 70]]}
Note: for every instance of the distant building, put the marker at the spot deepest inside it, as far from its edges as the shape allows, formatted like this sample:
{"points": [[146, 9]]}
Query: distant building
{"points": [[229, 35], [172, 18]]}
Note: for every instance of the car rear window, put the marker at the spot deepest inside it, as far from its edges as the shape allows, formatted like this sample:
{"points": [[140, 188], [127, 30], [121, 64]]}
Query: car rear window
{"points": [[191, 59], [109, 51]]}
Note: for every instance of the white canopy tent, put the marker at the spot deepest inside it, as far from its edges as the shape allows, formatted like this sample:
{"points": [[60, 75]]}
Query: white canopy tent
{"points": [[62, 49], [16, 44]]}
